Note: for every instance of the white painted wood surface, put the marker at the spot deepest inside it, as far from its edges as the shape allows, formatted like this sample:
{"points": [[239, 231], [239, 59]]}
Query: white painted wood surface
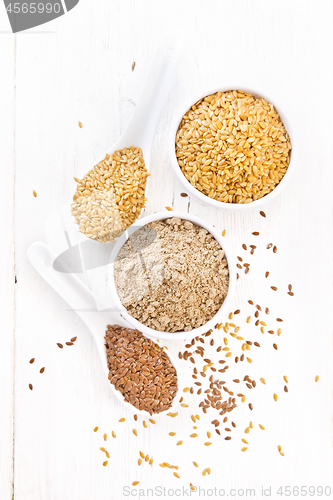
{"points": [[79, 67]]}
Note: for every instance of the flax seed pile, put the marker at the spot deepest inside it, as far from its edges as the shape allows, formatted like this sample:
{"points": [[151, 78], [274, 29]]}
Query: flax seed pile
{"points": [[233, 147], [140, 369], [172, 275], [111, 196]]}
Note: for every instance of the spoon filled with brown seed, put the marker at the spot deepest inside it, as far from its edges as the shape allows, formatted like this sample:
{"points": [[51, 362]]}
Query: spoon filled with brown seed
{"points": [[111, 196], [143, 376]]}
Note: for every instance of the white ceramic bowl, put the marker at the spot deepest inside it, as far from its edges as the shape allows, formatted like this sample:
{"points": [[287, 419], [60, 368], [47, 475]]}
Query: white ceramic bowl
{"points": [[220, 204], [155, 334]]}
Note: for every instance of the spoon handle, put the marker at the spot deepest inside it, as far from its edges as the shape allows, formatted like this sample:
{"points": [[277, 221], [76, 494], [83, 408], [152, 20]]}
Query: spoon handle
{"points": [[79, 298], [141, 128]]}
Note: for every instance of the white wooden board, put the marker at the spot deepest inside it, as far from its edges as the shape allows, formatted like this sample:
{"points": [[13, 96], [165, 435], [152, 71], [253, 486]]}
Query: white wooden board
{"points": [[81, 69]]}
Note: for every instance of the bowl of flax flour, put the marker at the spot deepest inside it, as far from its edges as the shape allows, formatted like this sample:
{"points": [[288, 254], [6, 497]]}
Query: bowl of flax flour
{"points": [[173, 276]]}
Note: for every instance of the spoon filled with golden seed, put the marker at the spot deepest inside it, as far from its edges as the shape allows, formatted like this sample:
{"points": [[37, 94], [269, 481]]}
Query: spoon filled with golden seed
{"points": [[112, 195]]}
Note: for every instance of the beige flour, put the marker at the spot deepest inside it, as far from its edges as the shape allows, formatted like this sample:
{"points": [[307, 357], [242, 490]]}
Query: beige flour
{"points": [[172, 275]]}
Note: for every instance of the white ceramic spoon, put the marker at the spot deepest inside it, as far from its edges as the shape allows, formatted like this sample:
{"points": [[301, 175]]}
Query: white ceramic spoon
{"points": [[82, 301], [141, 128]]}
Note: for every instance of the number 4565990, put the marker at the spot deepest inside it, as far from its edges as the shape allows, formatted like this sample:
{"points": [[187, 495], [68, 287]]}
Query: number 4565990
{"points": [[304, 491], [33, 8]]}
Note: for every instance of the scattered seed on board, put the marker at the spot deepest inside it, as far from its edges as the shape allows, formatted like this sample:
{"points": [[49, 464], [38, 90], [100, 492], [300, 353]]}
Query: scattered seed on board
{"points": [[184, 195], [135, 483], [285, 388], [244, 449], [60, 345], [275, 347], [95, 429], [280, 451], [105, 437], [31, 360], [224, 232], [135, 432], [262, 213], [133, 66], [274, 288], [42, 370], [80, 124], [269, 246], [30, 387], [244, 246], [69, 343], [266, 274], [176, 475], [179, 443], [275, 397], [274, 249], [34, 193], [263, 381], [317, 378], [261, 427], [105, 463], [73, 339], [122, 420], [139, 461], [114, 435], [195, 464], [255, 233]]}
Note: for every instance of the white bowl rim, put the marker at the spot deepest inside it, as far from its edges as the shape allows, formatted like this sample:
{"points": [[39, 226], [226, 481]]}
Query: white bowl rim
{"points": [[156, 334], [257, 92]]}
